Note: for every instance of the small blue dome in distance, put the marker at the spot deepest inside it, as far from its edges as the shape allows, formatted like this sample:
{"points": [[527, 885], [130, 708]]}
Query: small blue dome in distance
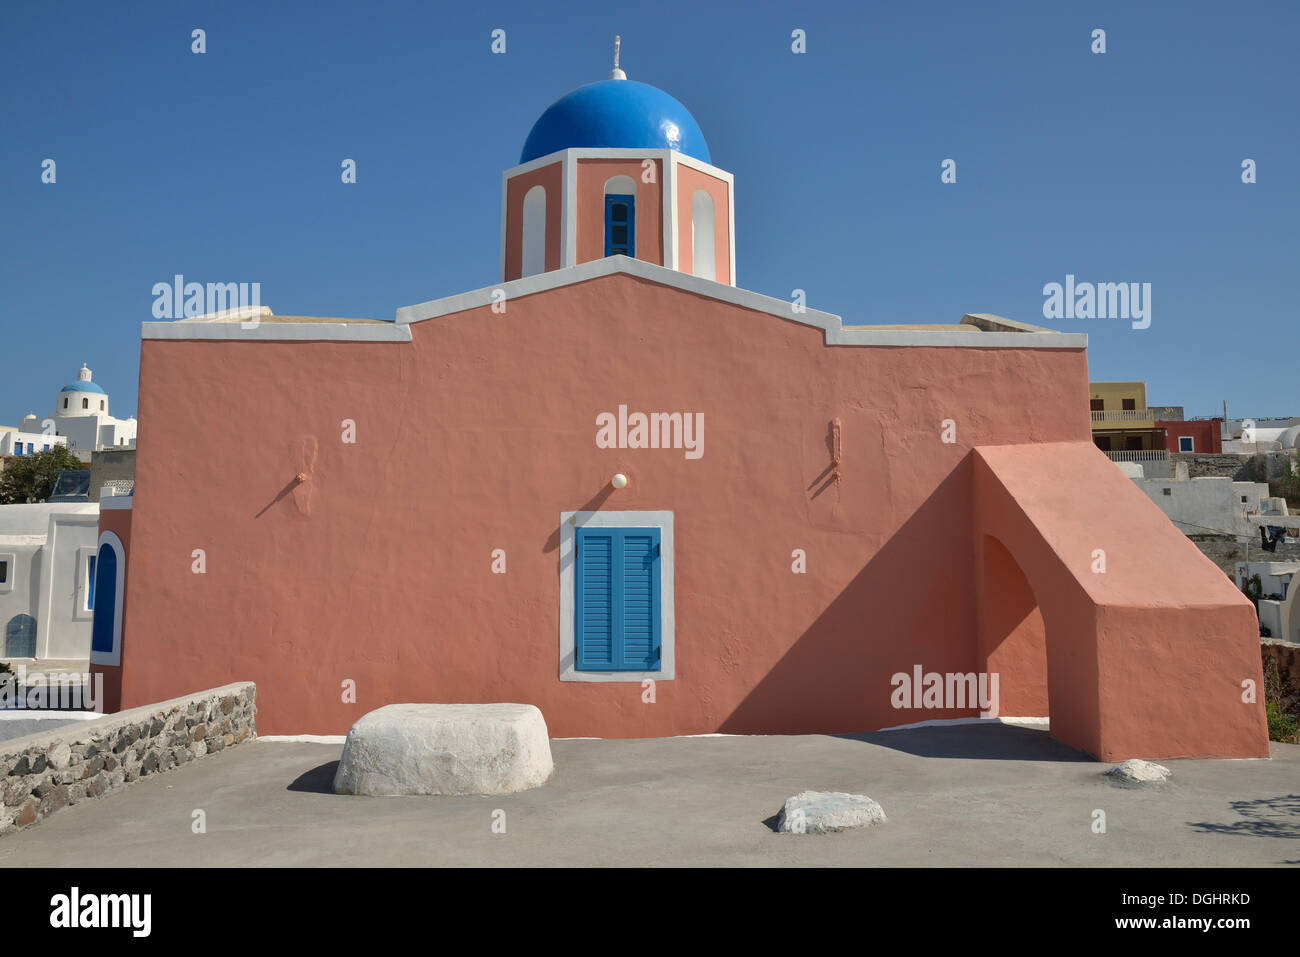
{"points": [[83, 387], [613, 114]]}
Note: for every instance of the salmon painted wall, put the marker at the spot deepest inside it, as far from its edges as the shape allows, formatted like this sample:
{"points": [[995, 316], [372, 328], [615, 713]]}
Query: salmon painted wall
{"points": [[1148, 643], [476, 435], [688, 181], [592, 176], [117, 521], [551, 179]]}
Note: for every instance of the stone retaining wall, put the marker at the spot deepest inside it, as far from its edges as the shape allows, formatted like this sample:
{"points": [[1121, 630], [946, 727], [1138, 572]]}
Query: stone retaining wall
{"points": [[1226, 552], [1259, 467], [45, 772]]}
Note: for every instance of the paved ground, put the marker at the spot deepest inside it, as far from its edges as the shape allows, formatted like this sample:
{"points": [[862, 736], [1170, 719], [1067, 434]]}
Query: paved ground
{"points": [[18, 724], [964, 795]]}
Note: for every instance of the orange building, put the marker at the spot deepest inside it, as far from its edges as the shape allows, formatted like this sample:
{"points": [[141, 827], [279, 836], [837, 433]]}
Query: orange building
{"points": [[620, 488]]}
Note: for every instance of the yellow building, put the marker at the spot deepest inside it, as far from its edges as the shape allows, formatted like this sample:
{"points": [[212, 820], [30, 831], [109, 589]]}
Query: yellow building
{"points": [[1122, 425]]}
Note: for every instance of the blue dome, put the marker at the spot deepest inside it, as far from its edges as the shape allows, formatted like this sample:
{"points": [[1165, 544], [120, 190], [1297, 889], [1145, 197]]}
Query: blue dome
{"points": [[616, 113], [83, 387]]}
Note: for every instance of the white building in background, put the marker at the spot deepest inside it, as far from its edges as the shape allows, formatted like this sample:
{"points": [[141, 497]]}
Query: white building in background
{"points": [[13, 442], [81, 415], [1265, 435], [1211, 504], [47, 574], [1279, 611]]}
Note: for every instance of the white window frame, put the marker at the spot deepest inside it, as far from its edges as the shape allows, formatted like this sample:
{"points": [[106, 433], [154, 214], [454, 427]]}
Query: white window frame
{"points": [[113, 657], [1191, 442], [81, 593], [569, 522], [8, 584]]}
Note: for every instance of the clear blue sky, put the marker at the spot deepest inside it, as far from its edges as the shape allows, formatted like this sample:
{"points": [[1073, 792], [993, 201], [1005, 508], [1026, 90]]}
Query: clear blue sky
{"points": [[225, 166]]}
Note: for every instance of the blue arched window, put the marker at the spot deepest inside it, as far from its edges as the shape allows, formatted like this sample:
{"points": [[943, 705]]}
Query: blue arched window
{"points": [[20, 637], [105, 592], [620, 224]]}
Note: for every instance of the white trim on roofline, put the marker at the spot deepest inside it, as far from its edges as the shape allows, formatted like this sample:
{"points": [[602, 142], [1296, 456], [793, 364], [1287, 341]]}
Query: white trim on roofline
{"points": [[670, 211], [568, 213], [279, 331], [731, 225], [505, 191], [830, 324], [612, 152]]}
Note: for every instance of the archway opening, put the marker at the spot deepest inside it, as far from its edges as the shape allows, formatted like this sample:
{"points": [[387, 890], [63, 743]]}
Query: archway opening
{"points": [[1012, 634]]}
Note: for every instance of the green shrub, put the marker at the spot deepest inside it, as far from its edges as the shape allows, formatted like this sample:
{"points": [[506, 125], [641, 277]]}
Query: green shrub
{"points": [[30, 478], [1281, 726]]}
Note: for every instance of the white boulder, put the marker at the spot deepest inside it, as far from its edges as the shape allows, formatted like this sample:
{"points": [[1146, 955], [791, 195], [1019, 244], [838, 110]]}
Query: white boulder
{"points": [[820, 812], [446, 749], [1136, 773]]}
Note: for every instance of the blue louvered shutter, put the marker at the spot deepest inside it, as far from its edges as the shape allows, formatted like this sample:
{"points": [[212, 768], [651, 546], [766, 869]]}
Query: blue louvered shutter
{"points": [[594, 604], [617, 599], [620, 225]]}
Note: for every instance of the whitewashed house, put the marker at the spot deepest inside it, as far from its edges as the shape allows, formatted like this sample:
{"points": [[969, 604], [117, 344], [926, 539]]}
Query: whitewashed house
{"points": [[1279, 611], [47, 574], [14, 442]]}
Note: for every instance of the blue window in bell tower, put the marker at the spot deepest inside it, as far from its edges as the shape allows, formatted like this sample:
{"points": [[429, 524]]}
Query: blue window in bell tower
{"points": [[620, 225]]}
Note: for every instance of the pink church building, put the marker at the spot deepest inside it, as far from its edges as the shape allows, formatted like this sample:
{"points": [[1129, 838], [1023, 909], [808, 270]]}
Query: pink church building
{"points": [[616, 486]]}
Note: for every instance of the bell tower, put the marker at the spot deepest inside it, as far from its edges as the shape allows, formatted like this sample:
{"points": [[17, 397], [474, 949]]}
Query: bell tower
{"points": [[617, 168]]}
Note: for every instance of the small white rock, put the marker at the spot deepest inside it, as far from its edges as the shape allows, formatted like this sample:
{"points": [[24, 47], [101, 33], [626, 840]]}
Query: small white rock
{"points": [[820, 812], [1136, 773]]}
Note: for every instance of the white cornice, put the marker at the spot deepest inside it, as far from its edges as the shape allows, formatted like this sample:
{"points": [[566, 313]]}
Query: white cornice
{"points": [[574, 153], [830, 324], [279, 331]]}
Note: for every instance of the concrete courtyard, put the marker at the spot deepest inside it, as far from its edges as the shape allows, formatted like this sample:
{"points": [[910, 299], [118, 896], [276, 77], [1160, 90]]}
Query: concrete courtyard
{"points": [[977, 795]]}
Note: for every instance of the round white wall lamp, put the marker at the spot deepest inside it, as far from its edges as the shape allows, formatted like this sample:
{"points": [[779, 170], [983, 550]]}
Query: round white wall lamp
{"points": [[619, 481]]}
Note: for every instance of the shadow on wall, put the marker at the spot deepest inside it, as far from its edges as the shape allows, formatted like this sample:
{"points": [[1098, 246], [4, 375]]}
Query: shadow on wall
{"points": [[592, 505], [913, 604]]}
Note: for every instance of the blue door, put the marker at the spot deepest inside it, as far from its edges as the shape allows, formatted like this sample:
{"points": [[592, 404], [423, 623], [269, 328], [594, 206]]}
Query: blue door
{"points": [[617, 600], [620, 225], [101, 629], [20, 637]]}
